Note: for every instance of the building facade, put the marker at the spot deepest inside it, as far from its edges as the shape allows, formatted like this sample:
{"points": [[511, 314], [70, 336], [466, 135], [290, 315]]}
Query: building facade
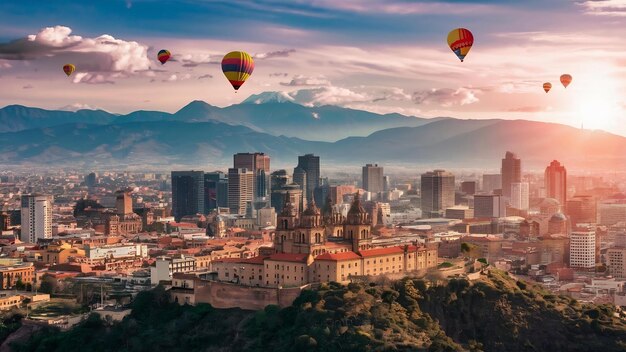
{"points": [[240, 190], [437, 189], [583, 250], [187, 193], [36, 214], [555, 179], [372, 178], [511, 172]]}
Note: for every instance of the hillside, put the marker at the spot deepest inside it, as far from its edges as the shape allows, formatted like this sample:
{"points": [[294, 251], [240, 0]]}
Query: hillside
{"points": [[495, 313]]}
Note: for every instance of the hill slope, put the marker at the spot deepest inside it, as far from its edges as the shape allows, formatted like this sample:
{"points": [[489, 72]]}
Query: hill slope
{"points": [[493, 314]]}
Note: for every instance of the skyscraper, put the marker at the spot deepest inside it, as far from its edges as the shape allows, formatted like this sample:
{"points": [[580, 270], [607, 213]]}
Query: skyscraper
{"points": [[91, 180], [36, 214], [488, 206], [215, 190], [310, 164], [556, 182], [437, 193], [582, 249], [468, 187], [123, 202], [520, 195], [511, 172], [373, 178], [187, 193], [240, 190], [259, 164], [491, 182]]}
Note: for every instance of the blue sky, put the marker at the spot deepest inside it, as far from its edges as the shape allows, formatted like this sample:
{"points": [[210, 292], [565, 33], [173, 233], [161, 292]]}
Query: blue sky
{"points": [[382, 56]]}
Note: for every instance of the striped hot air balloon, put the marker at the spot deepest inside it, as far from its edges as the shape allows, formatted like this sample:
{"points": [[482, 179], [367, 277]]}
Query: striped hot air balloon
{"points": [[460, 41], [547, 86], [237, 67], [69, 69], [163, 56], [566, 79]]}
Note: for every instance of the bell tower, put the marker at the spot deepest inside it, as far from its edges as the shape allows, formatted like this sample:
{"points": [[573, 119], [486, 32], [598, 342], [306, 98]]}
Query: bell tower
{"points": [[310, 236], [357, 228], [286, 223]]}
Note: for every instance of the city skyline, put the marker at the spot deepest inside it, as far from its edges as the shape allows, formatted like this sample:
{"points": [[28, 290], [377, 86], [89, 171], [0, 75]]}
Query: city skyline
{"points": [[404, 65]]}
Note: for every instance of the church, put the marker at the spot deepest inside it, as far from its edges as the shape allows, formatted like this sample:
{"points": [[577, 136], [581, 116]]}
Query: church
{"points": [[312, 247]]}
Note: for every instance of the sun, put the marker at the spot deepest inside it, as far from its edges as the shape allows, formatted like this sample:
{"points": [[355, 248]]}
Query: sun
{"points": [[596, 105]]}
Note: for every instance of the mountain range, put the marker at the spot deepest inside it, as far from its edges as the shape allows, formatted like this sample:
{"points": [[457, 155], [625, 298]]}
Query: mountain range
{"points": [[200, 134]]}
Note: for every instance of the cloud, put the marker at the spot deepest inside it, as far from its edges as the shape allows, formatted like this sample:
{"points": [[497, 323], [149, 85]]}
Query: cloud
{"points": [[302, 80], [446, 96], [205, 76], [4, 64], [193, 60], [400, 7], [101, 56], [604, 7], [329, 95], [28, 86], [315, 115], [177, 77], [76, 107], [91, 78], [273, 54], [279, 74], [528, 109]]}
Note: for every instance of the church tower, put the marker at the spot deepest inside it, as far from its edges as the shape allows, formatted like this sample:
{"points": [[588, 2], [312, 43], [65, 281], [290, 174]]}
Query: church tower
{"points": [[310, 236], [357, 228], [333, 221], [286, 223]]}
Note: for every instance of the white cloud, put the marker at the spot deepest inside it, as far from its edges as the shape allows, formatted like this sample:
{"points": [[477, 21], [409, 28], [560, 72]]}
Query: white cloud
{"points": [[77, 106], [302, 80], [193, 60], [604, 7], [328, 96], [446, 96], [91, 78]]}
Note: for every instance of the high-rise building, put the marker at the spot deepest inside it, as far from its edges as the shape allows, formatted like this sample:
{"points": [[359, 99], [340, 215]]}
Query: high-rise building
{"points": [[437, 193], [488, 206], [520, 194], [310, 164], [491, 182], [373, 178], [511, 172], [259, 163], [556, 182], [611, 213], [581, 209], [279, 179], [240, 190], [91, 180], [582, 252], [215, 191], [295, 197], [187, 193], [123, 202], [468, 187], [36, 214], [386, 184]]}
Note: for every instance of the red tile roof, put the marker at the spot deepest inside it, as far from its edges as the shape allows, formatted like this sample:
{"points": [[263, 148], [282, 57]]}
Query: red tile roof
{"points": [[381, 251], [289, 257], [338, 256]]}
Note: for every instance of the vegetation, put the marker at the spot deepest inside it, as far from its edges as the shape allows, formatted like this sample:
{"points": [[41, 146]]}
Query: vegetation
{"points": [[494, 313]]}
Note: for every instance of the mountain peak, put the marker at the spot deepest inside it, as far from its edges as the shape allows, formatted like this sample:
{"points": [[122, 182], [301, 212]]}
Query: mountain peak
{"points": [[269, 97]]}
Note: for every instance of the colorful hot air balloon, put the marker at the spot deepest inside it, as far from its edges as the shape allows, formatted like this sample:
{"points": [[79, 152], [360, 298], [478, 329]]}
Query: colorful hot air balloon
{"points": [[163, 56], [460, 41], [566, 80], [237, 67], [547, 86], [69, 69]]}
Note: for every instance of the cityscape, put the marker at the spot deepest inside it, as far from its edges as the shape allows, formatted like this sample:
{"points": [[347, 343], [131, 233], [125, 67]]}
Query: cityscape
{"points": [[311, 209]]}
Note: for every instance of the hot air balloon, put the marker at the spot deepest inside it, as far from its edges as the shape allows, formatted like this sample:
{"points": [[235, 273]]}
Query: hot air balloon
{"points": [[163, 56], [69, 69], [237, 67], [566, 79], [547, 86], [460, 41]]}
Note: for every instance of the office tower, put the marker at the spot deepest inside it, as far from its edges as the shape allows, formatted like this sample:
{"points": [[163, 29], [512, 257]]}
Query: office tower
{"points": [[582, 252], [5, 221], [91, 180], [240, 190], [373, 178], [295, 197], [300, 179], [556, 182], [520, 194], [259, 164], [468, 187], [491, 182], [488, 206], [279, 179], [437, 193], [123, 202], [581, 209], [386, 184], [310, 164], [187, 193], [215, 191], [36, 214], [511, 173]]}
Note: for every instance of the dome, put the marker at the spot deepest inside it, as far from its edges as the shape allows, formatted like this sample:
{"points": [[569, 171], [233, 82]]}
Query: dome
{"points": [[312, 209], [356, 207], [549, 202], [558, 217]]}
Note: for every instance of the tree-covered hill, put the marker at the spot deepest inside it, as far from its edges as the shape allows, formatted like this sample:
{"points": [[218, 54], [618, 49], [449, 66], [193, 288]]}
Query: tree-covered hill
{"points": [[495, 313]]}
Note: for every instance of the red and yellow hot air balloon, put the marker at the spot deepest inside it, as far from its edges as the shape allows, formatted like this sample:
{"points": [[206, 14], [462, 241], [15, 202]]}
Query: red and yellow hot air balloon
{"points": [[237, 67], [163, 56], [460, 41], [566, 79], [69, 69], [547, 86]]}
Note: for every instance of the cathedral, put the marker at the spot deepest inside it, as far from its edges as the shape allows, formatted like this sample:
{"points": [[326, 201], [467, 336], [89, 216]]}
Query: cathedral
{"points": [[316, 246]]}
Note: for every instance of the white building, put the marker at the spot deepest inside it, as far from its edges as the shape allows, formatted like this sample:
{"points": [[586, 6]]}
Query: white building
{"points": [[520, 194], [582, 250], [36, 213], [165, 267], [488, 206], [116, 251]]}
